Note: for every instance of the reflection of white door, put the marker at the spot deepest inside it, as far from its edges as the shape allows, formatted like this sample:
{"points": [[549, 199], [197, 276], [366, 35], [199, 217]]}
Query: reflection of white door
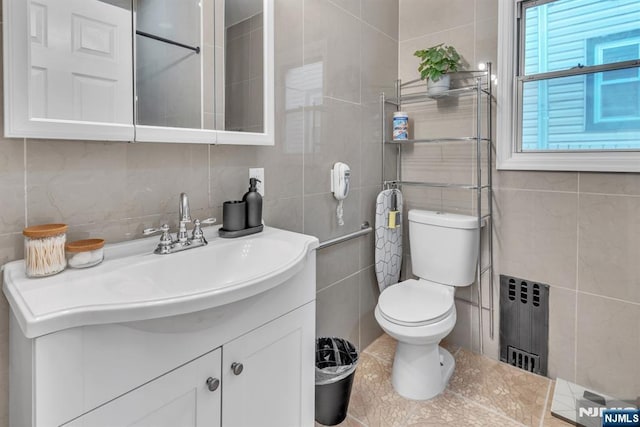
{"points": [[81, 71]]}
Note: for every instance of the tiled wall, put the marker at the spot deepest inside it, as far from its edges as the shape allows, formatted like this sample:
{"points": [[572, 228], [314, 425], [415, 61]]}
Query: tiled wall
{"points": [[578, 232], [114, 190], [244, 82]]}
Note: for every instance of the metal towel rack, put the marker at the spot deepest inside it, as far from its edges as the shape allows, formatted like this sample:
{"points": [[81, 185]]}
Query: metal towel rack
{"points": [[365, 228], [196, 49]]}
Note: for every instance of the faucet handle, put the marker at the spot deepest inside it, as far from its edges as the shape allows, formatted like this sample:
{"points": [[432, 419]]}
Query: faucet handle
{"points": [[150, 231], [198, 235], [165, 239]]}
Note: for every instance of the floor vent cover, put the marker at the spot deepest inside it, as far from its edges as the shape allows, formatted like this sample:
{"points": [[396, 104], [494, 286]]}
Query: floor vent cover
{"points": [[524, 324], [523, 360]]}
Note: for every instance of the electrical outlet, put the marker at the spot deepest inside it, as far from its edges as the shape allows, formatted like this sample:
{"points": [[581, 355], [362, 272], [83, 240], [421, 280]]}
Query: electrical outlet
{"points": [[259, 174]]}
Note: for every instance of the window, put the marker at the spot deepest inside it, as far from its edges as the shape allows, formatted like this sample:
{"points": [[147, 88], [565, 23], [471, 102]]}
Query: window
{"points": [[569, 94]]}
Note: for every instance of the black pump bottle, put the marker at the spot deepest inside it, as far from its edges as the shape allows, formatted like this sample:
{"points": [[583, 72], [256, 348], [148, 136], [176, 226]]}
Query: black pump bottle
{"points": [[254, 204]]}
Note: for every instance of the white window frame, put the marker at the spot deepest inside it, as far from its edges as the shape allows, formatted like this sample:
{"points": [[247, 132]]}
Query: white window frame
{"points": [[508, 158]]}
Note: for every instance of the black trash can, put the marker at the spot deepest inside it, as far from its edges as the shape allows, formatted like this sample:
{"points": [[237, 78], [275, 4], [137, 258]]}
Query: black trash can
{"points": [[336, 361]]}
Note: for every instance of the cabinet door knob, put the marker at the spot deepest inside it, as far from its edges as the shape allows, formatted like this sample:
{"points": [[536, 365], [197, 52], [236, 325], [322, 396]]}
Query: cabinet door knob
{"points": [[213, 383], [237, 368]]}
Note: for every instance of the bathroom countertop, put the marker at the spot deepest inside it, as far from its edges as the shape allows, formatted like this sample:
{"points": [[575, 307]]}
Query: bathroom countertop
{"points": [[133, 283]]}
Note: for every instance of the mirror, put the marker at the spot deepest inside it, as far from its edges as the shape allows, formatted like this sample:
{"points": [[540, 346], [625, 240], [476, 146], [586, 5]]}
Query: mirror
{"points": [[68, 69], [200, 64], [197, 71], [82, 74]]}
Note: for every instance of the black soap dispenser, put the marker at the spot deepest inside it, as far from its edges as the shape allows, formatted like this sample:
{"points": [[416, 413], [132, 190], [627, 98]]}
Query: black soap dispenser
{"points": [[254, 204]]}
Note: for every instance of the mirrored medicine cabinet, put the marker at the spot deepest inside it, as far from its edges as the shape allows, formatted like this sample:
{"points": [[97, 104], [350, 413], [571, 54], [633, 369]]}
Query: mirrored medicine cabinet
{"points": [[192, 71]]}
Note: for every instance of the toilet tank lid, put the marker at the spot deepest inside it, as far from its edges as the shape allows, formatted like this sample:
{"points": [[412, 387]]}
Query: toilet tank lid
{"points": [[444, 219]]}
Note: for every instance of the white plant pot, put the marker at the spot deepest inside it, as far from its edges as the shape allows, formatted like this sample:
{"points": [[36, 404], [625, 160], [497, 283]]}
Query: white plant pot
{"points": [[438, 87]]}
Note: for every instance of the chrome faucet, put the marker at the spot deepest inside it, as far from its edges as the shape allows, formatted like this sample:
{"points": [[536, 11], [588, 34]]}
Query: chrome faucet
{"points": [[184, 217], [184, 214], [167, 244]]}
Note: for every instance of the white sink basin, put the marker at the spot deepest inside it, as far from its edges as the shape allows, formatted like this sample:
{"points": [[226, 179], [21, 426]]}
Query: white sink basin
{"points": [[134, 284]]}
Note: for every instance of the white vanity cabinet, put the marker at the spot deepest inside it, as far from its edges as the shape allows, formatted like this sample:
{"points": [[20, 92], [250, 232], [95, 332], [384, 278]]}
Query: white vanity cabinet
{"points": [[222, 335], [260, 375], [273, 387], [270, 389], [179, 398]]}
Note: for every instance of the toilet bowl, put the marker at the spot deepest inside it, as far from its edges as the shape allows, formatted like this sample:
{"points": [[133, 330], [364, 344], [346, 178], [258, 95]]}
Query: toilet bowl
{"points": [[420, 313]]}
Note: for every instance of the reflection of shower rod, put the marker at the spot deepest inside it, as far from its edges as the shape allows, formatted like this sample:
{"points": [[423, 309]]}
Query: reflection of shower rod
{"points": [[196, 49]]}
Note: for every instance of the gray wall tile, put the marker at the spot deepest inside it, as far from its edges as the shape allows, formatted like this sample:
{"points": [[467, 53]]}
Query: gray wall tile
{"points": [[608, 343], [288, 36], [382, 14], [490, 347], [609, 253], [368, 213], [320, 215], [527, 180], [158, 173], [76, 182], [11, 248], [486, 9], [610, 183], [420, 17], [337, 262], [562, 340], [486, 41], [351, 6], [371, 165], [230, 172], [536, 235], [337, 310], [369, 293], [461, 334], [332, 37], [283, 213], [332, 136], [12, 184], [379, 62], [372, 124]]}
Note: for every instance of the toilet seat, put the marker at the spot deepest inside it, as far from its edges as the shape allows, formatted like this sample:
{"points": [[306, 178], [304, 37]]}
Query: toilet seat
{"points": [[416, 302]]}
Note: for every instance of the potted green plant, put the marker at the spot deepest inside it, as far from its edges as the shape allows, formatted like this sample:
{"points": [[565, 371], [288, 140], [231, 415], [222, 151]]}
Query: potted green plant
{"points": [[435, 64]]}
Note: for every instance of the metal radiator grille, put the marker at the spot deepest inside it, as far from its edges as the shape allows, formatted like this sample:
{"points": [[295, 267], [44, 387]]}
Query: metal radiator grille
{"points": [[524, 324]]}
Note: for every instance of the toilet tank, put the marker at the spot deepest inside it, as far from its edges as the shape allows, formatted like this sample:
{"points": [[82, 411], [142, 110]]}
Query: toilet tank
{"points": [[444, 246]]}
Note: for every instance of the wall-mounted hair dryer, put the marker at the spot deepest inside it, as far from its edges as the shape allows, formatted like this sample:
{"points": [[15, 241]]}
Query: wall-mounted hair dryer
{"points": [[340, 180]]}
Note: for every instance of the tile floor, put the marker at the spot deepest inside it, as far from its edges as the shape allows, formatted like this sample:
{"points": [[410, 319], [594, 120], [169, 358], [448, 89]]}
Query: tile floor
{"points": [[482, 392]]}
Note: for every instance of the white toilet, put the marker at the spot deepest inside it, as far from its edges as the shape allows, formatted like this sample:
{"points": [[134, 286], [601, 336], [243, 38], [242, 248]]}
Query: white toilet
{"points": [[420, 313]]}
